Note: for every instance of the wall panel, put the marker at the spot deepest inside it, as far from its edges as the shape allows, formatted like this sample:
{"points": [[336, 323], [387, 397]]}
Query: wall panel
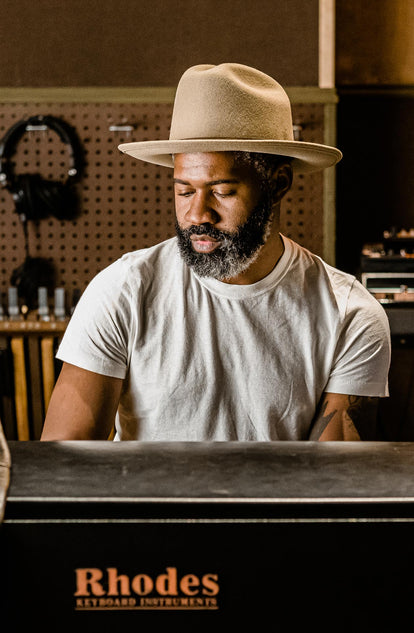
{"points": [[152, 42]]}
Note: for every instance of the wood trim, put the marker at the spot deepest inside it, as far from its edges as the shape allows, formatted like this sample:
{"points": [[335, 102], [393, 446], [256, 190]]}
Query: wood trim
{"points": [[91, 94], [326, 43], [329, 190], [33, 327], [20, 386], [48, 368]]}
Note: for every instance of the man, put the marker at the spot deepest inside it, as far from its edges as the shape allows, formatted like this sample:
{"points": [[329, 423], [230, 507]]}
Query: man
{"points": [[230, 331]]}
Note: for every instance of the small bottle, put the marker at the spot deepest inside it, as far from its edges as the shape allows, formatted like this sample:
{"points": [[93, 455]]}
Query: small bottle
{"points": [[13, 304], [43, 307], [59, 310]]}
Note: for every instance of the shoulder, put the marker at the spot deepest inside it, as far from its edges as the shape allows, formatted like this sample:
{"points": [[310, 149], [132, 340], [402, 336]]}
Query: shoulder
{"points": [[365, 311], [353, 301], [329, 283], [359, 306], [158, 255], [314, 265], [137, 267]]}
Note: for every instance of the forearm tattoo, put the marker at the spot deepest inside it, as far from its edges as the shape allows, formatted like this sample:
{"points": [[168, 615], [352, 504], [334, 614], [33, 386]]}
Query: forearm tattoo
{"points": [[354, 416], [362, 411], [323, 417]]}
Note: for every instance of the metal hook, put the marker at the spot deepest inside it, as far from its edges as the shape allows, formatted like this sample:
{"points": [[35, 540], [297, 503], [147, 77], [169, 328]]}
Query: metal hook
{"points": [[122, 128], [36, 128], [297, 132]]}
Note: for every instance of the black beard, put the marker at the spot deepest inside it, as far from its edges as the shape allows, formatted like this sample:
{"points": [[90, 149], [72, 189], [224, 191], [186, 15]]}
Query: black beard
{"points": [[237, 250]]}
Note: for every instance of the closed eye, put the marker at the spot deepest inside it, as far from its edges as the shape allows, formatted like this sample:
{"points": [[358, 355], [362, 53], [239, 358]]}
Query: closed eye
{"points": [[222, 194], [185, 194]]}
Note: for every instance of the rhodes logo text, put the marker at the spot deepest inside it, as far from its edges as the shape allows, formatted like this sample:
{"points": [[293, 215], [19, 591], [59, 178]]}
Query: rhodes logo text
{"points": [[98, 589]]}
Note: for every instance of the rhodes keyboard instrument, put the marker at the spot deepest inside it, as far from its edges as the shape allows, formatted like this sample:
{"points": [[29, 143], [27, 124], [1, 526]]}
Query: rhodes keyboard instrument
{"points": [[315, 536]]}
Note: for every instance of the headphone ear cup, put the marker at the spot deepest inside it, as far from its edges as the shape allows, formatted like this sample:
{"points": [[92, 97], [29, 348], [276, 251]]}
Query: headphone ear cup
{"points": [[57, 198], [24, 196], [38, 205]]}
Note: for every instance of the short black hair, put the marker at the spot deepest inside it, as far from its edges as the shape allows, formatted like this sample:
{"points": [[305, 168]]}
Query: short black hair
{"points": [[264, 164]]}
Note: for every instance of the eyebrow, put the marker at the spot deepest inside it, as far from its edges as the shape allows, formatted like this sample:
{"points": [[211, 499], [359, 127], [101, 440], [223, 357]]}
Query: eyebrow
{"points": [[222, 181]]}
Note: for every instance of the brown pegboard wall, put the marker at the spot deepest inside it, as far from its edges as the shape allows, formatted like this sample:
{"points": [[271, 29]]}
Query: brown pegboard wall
{"points": [[302, 209], [124, 204]]}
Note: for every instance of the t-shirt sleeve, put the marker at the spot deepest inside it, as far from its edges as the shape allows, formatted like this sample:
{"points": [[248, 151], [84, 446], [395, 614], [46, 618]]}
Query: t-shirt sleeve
{"points": [[97, 335], [363, 352]]}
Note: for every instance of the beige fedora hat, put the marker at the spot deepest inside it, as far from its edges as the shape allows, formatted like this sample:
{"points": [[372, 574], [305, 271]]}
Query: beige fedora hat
{"points": [[232, 107]]}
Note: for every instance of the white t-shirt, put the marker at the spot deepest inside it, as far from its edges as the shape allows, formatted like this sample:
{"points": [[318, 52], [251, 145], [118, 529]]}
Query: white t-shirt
{"points": [[203, 360]]}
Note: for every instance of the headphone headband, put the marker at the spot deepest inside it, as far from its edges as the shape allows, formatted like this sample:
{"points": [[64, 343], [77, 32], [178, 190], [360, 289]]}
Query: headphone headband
{"points": [[66, 133]]}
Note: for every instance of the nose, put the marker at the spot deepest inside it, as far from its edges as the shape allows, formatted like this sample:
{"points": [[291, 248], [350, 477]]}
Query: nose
{"points": [[199, 210]]}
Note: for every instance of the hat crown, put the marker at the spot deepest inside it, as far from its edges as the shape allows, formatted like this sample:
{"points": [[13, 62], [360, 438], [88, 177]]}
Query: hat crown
{"points": [[230, 101]]}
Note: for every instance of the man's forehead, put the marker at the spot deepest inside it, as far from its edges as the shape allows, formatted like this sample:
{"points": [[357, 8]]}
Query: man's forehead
{"points": [[209, 164]]}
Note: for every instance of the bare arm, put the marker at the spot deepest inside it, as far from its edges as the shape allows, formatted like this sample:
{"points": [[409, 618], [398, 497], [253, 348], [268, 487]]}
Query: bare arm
{"points": [[82, 407], [347, 418]]}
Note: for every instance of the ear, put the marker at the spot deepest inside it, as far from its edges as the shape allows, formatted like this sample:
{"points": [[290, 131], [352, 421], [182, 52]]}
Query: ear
{"points": [[281, 182]]}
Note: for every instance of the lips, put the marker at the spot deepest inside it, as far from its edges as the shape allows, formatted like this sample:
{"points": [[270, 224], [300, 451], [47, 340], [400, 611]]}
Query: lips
{"points": [[204, 243]]}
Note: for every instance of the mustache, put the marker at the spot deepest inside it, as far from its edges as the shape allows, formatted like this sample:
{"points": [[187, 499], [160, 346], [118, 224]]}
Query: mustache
{"points": [[206, 229]]}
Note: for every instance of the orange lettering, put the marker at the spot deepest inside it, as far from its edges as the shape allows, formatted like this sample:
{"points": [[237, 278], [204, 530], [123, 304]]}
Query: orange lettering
{"points": [[114, 580], [89, 578], [142, 584], [166, 584], [210, 584], [187, 582]]}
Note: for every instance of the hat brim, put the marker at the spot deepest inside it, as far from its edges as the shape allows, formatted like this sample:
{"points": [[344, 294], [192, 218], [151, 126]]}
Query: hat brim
{"points": [[306, 157]]}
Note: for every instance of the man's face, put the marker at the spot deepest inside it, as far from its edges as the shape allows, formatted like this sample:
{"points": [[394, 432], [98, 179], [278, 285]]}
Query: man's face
{"points": [[223, 215]]}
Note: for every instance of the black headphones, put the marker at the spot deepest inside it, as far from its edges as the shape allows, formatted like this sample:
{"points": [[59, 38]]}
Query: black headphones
{"points": [[34, 197]]}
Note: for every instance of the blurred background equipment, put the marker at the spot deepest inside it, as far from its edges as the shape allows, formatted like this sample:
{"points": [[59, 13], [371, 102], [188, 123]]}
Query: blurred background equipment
{"points": [[36, 198], [387, 271]]}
